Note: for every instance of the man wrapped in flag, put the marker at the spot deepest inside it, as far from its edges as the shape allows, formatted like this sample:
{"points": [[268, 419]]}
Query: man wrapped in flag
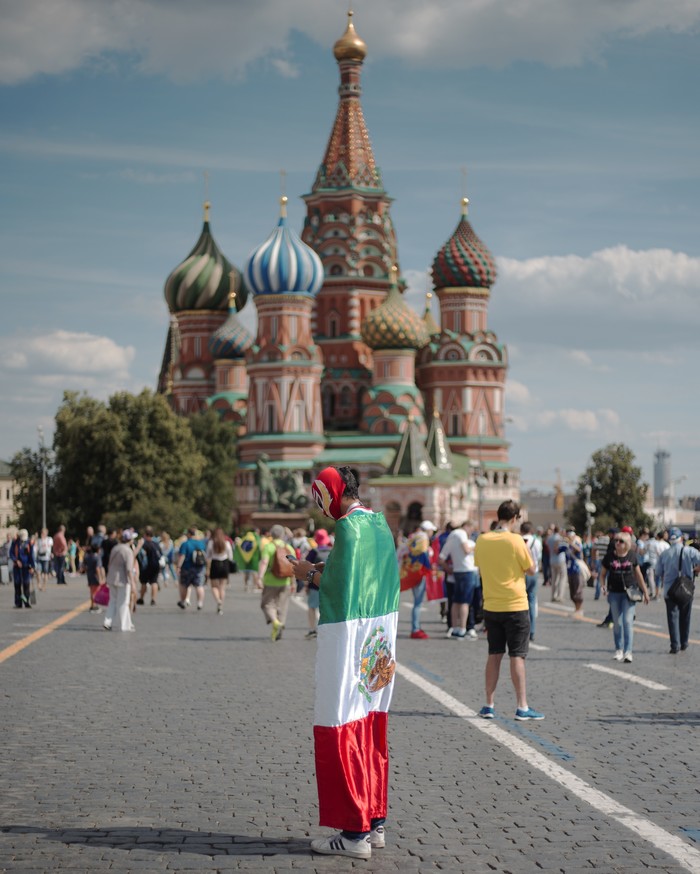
{"points": [[355, 663]]}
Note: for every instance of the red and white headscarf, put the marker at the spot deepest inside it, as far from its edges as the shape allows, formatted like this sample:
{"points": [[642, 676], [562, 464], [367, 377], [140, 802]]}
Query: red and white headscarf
{"points": [[327, 490]]}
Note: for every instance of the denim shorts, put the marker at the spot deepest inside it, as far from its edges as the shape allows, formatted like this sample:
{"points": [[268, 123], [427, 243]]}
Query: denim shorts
{"points": [[465, 586], [313, 598], [44, 565], [511, 629]]}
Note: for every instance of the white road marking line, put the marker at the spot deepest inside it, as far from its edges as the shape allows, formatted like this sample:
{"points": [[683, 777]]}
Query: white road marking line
{"points": [[686, 856], [646, 624], [539, 647], [553, 604], [650, 684]]}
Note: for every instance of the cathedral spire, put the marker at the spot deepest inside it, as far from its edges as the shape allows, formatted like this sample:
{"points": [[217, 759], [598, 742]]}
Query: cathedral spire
{"points": [[349, 160]]}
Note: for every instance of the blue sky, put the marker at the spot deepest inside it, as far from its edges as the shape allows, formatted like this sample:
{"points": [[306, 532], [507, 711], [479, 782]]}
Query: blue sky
{"points": [[576, 123]]}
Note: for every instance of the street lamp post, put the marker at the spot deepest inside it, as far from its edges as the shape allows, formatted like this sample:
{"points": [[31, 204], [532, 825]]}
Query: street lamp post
{"points": [[42, 453]]}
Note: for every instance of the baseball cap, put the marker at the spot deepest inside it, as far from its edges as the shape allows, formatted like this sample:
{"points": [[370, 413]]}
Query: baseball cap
{"points": [[127, 534], [427, 525], [674, 534], [627, 529]]}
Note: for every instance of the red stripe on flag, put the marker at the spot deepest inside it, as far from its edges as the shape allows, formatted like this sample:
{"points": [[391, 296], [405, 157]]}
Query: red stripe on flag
{"points": [[352, 769]]}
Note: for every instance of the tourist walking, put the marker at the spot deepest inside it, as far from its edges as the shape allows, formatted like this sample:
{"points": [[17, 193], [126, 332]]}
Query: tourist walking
{"points": [[192, 567], [219, 560], [534, 546], [247, 555], [149, 556], [318, 556], [355, 664], [457, 556], [277, 576], [503, 559], [23, 566], [620, 578], [678, 560], [557, 563], [95, 574], [44, 547], [121, 580], [60, 552], [576, 571]]}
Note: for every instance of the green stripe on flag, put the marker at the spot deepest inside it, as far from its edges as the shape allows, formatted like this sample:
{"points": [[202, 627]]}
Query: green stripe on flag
{"points": [[361, 576]]}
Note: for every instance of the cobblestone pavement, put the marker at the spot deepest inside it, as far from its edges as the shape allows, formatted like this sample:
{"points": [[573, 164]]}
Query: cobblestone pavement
{"points": [[187, 746]]}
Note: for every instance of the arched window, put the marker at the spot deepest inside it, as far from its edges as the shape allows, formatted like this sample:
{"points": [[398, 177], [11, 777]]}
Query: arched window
{"points": [[336, 270], [345, 397]]}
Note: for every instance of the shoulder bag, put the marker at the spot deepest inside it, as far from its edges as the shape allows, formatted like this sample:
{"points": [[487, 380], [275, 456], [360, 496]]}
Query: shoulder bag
{"points": [[683, 588]]}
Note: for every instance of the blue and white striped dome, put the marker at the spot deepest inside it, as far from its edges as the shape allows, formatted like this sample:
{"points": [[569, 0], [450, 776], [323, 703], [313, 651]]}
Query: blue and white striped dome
{"points": [[232, 339], [283, 264]]}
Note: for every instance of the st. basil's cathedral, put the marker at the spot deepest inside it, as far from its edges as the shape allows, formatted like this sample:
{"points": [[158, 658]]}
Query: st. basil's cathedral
{"points": [[342, 370]]}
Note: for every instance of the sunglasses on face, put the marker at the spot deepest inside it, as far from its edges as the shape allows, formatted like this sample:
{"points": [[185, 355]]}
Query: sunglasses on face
{"points": [[620, 541]]}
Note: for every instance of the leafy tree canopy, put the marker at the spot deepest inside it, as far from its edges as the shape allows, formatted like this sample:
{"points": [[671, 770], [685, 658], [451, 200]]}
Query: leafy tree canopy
{"points": [[616, 490], [131, 461]]}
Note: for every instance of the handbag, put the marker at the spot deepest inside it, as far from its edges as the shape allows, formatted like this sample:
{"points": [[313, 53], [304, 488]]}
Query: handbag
{"points": [[435, 586], [682, 589], [634, 593], [101, 596], [583, 569], [32, 596]]}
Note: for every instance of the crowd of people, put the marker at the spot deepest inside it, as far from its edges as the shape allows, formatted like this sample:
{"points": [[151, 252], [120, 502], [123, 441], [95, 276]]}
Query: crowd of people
{"points": [[624, 568], [485, 582]]}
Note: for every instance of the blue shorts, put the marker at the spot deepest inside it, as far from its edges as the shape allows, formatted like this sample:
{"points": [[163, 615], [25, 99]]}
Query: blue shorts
{"points": [[193, 576], [44, 565], [466, 583]]}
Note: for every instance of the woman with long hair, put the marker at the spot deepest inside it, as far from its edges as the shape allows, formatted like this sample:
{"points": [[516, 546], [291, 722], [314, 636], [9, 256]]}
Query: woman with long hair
{"points": [[219, 554]]}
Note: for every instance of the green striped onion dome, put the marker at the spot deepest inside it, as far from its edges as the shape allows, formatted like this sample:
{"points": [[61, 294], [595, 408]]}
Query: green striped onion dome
{"points": [[203, 280], [394, 325], [464, 261], [232, 339]]}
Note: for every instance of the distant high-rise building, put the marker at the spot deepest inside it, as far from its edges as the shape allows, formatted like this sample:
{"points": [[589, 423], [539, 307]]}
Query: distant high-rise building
{"points": [[662, 477]]}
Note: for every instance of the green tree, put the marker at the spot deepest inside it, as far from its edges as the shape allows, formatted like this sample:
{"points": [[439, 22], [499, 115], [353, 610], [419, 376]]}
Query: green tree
{"points": [[132, 460], [28, 498], [215, 494], [616, 490]]}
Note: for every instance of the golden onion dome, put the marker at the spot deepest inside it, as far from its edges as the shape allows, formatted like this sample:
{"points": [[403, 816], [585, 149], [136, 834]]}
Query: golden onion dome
{"points": [[350, 47]]}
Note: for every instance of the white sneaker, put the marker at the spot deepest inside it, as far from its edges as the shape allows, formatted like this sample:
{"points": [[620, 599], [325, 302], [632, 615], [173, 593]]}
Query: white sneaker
{"points": [[337, 845], [377, 837], [449, 631], [627, 657], [472, 634], [618, 655]]}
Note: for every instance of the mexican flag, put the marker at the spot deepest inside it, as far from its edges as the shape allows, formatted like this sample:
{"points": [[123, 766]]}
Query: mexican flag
{"points": [[355, 662]]}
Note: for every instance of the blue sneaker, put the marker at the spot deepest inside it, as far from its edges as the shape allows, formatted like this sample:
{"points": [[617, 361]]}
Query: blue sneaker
{"points": [[523, 715], [487, 712]]}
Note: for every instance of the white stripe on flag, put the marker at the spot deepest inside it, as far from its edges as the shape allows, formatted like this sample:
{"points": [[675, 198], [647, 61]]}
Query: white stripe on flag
{"points": [[341, 693]]}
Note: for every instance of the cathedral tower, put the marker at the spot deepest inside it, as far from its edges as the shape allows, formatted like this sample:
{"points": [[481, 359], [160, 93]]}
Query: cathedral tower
{"points": [[348, 224], [284, 364]]}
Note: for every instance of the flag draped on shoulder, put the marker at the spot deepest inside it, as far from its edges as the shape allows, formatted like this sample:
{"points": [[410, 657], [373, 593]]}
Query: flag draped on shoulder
{"points": [[247, 552], [355, 663], [415, 561]]}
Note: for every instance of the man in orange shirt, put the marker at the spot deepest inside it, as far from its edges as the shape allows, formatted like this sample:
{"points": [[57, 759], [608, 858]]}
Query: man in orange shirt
{"points": [[503, 558], [60, 550]]}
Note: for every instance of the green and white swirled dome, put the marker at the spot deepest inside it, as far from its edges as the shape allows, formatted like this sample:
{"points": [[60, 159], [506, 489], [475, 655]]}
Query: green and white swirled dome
{"points": [[203, 280]]}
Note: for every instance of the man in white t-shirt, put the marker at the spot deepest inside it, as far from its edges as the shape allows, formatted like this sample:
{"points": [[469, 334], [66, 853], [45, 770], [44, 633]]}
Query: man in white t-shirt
{"points": [[655, 548], [459, 550]]}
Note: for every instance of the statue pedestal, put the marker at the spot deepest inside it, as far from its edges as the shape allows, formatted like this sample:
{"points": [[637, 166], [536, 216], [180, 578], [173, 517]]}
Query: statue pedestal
{"points": [[268, 518]]}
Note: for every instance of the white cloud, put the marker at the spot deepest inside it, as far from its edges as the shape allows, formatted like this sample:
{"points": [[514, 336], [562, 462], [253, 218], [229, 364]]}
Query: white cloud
{"points": [[185, 40], [517, 393], [66, 353], [144, 177]]}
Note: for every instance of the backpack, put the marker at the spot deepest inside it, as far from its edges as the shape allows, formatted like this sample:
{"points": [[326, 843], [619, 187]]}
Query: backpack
{"points": [[142, 557], [199, 558], [281, 565]]}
